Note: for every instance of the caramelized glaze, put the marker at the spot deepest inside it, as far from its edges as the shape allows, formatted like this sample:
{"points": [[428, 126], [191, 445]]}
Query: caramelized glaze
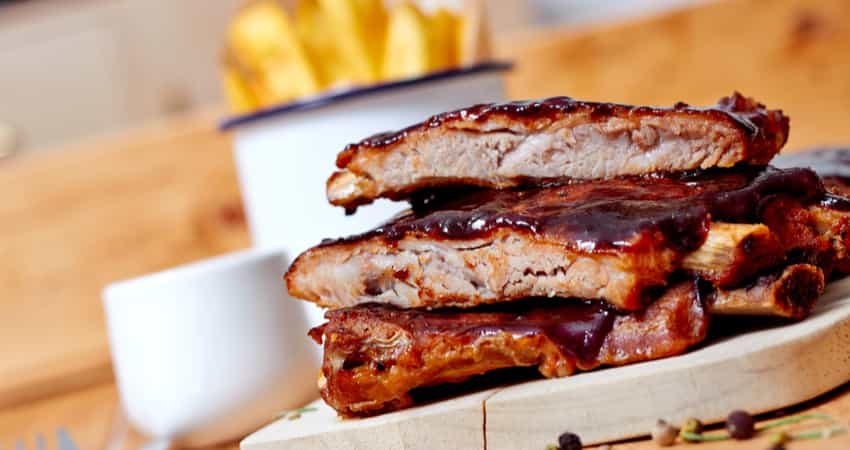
{"points": [[577, 327], [375, 355], [624, 214], [758, 125], [833, 165]]}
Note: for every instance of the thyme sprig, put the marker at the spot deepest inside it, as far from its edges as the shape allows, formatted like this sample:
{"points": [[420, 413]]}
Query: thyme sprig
{"points": [[825, 433], [295, 414]]}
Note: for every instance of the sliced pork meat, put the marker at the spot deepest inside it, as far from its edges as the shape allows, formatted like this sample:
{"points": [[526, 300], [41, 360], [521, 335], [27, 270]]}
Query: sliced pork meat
{"points": [[612, 240], [374, 355], [526, 143]]}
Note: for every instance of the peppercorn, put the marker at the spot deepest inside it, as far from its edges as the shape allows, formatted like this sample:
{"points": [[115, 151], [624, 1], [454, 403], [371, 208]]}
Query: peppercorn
{"points": [[780, 438], [569, 441], [776, 447], [740, 425], [664, 434], [692, 425]]}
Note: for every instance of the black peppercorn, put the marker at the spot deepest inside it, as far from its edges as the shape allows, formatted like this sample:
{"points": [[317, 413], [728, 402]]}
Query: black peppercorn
{"points": [[569, 441], [740, 425]]}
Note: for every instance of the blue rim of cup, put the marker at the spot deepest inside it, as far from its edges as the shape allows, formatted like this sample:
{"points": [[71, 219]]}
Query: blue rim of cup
{"points": [[338, 95]]}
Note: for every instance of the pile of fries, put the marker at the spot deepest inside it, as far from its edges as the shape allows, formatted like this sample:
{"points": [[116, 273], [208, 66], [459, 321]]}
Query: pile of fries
{"points": [[275, 54]]}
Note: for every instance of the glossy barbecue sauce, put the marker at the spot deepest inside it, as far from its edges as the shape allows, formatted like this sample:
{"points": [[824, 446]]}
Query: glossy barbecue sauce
{"points": [[577, 328], [833, 165], [620, 215], [737, 109]]}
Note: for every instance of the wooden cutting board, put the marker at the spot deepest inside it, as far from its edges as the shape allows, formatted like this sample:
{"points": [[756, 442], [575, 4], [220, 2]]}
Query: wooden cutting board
{"points": [[758, 371]]}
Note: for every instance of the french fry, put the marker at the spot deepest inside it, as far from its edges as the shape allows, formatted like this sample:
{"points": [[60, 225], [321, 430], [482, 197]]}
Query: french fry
{"points": [[263, 40], [271, 57], [321, 43], [444, 29], [473, 37], [359, 26], [408, 44], [243, 89], [237, 92], [311, 27]]}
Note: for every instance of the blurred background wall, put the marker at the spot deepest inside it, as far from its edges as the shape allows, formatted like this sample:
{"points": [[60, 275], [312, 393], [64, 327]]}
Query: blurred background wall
{"points": [[71, 68]]}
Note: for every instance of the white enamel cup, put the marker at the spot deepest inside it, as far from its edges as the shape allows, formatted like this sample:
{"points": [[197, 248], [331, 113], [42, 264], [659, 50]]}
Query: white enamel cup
{"points": [[285, 155], [209, 352]]}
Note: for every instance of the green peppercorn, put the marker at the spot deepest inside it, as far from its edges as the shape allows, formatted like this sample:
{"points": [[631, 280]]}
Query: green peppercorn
{"points": [[569, 441], [740, 425], [664, 434], [692, 425], [780, 438]]}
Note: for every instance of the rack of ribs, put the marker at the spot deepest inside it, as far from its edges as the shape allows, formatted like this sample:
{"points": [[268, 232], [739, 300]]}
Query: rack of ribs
{"points": [[565, 235]]}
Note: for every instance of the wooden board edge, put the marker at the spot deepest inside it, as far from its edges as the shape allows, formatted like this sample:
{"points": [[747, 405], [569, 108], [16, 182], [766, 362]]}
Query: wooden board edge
{"points": [[450, 424]]}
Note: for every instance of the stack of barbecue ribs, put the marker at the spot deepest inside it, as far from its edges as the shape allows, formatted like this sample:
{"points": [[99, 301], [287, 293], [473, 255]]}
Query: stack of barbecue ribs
{"points": [[563, 235]]}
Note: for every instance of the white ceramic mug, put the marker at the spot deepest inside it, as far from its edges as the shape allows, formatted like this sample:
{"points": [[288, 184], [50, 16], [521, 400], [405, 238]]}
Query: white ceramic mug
{"points": [[208, 352], [284, 155]]}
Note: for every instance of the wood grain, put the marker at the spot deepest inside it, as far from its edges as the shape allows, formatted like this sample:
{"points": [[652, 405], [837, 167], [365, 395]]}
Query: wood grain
{"points": [[792, 54], [451, 424], [88, 414], [83, 217]]}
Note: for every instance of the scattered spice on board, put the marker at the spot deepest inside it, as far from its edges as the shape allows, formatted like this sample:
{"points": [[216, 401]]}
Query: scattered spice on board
{"points": [[295, 414], [664, 434], [740, 425], [569, 441]]}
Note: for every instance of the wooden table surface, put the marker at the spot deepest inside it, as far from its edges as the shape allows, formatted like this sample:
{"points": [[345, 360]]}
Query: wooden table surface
{"points": [[79, 218], [89, 413], [120, 206]]}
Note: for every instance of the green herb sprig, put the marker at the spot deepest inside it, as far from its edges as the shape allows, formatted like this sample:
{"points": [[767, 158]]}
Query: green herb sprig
{"points": [[295, 414], [807, 435]]}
